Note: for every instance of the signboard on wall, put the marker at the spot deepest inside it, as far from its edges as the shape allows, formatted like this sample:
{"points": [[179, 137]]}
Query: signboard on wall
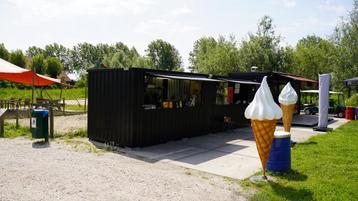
{"points": [[230, 95], [33, 122]]}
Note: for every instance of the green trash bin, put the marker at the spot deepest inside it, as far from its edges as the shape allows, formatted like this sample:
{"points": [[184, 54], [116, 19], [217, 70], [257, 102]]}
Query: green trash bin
{"points": [[39, 124]]}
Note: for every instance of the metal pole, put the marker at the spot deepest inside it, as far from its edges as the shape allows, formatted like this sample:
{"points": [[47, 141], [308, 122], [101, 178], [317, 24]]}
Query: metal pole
{"points": [[85, 99], [32, 95], [1, 127], [17, 118], [64, 107], [51, 122]]}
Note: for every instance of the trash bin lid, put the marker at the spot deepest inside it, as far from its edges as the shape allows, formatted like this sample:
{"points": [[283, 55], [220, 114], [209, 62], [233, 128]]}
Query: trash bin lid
{"points": [[42, 112], [281, 134]]}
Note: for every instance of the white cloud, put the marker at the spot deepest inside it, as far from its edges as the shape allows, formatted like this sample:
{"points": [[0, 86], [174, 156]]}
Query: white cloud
{"points": [[63, 8], [180, 11], [327, 6], [167, 26], [289, 3], [285, 3]]}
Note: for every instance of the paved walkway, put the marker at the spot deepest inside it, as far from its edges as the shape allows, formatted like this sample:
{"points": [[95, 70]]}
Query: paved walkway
{"points": [[231, 154], [76, 102]]}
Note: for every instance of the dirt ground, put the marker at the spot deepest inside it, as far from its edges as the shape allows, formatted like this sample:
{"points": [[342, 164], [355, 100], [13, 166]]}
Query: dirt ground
{"points": [[32, 172], [63, 124]]}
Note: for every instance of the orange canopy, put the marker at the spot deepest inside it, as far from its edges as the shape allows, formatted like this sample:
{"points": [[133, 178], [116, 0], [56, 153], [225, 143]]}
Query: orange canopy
{"points": [[13, 73]]}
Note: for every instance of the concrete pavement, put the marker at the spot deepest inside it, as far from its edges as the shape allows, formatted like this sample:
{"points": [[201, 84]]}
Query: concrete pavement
{"points": [[232, 154]]}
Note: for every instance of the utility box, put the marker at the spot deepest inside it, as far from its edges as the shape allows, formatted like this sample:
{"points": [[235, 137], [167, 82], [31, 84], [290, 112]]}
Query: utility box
{"points": [[39, 124]]}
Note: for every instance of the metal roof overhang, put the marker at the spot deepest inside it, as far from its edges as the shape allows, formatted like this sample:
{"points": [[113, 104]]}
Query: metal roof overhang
{"points": [[298, 78], [183, 77], [317, 91], [350, 82], [239, 81]]}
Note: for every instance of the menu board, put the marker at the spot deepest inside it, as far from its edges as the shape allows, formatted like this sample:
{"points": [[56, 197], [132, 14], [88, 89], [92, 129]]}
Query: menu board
{"points": [[2, 112]]}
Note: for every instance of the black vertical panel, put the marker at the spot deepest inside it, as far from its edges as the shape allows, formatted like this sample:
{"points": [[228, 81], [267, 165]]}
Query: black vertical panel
{"points": [[116, 115]]}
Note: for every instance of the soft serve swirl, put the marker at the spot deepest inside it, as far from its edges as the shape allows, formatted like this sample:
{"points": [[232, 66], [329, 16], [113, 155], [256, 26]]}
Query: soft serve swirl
{"points": [[263, 107], [288, 95]]}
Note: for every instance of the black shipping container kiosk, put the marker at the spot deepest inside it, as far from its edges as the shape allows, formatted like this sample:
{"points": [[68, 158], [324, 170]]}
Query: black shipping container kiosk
{"points": [[138, 107]]}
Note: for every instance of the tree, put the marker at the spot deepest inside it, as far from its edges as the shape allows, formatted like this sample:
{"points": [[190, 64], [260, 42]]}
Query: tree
{"points": [[33, 50], [59, 51], [314, 55], [118, 60], [142, 62], [83, 56], [38, 64], [54, 66], [163, 55], [285, 60], [4, 53], [345, 37], [18, 58], [263, 50], [215, 56]]}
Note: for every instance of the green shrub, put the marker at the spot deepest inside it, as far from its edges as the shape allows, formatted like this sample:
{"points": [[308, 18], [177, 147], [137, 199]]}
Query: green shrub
{"points": [[352, 101]]}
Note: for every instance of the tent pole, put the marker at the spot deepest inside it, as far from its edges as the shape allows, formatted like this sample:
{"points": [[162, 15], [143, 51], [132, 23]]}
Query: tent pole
{"points": [[33, 85], [61, 92], [32, 96], [85, 108]]}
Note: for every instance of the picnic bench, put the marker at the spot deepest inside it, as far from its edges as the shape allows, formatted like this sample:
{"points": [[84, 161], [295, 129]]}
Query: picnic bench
{"points": [[14, 103], [47, 103]]}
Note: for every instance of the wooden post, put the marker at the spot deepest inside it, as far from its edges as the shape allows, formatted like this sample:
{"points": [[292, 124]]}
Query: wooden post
{"points": [[85, 108], [51, 122], [17, 118], [30, 118], [64, 107], [1, 127], [2, 113]]}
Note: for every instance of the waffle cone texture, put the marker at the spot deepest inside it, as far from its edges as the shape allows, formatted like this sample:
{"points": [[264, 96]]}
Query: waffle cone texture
{"points": [[287, 115], [263, 131]]}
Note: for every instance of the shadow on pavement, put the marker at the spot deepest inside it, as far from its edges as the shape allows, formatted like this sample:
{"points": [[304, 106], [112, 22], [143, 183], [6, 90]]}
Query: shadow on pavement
{"points": [[192, 151], [40, 144]]}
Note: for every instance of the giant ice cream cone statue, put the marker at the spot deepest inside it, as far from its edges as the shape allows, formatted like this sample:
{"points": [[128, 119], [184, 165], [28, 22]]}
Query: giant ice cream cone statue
{"points": [[287, 99], [263, 112]]}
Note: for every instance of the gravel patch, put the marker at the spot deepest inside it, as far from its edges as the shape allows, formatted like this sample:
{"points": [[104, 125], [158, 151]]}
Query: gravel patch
{"points": [[28, 172], [63, 124]]}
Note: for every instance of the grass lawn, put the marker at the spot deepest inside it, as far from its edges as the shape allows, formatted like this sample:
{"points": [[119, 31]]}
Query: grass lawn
{"points": [[10, 131], [75, 107], [324, 168], [77, 140], [68, 94]]}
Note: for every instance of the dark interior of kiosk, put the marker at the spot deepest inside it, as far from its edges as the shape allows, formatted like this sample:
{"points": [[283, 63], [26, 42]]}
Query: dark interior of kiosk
{"points": [[166, 93]]}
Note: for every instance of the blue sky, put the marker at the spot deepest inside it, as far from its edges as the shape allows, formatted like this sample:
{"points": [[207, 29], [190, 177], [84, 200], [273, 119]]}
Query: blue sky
{"points": [[180, 22]]}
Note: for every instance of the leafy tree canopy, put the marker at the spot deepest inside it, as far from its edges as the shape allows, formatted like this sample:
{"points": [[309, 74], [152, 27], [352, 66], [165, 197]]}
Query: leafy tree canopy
{"points": [[263, 50], [54, 66], [33, 51], [4, 53], [39, 64], [314, 55], [18, 58], [215, 56], [163, 55]]}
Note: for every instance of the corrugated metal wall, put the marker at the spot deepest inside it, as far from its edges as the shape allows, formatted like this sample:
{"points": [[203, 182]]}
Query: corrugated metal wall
{"points": [[116, 115], [110, 105]]}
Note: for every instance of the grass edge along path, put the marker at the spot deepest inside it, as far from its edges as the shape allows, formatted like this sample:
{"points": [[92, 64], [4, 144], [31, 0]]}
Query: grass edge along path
{"points": [[76, 140], [68, 94], [323, 168]]}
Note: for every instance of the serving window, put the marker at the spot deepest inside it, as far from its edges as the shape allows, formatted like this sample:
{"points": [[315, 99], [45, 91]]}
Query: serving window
{"points": [[225, 93], [164, 93]]}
